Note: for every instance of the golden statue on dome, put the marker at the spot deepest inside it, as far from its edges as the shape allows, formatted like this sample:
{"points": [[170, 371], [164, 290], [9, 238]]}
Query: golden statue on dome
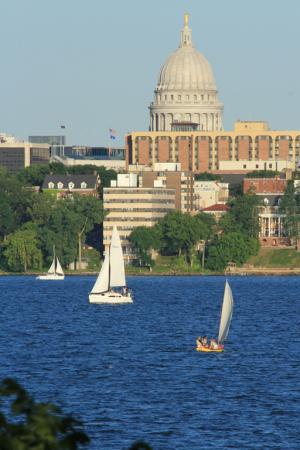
{"points": [[186, 19]]}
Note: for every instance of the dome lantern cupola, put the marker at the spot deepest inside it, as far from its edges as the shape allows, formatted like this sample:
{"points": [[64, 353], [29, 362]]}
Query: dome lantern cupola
{"points": [[186, 33], [186, 90]]}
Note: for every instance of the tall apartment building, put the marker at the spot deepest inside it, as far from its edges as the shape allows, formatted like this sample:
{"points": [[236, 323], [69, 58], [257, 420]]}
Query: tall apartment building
{"points": [[15, 155], [164, 176], [250, 146], [129, 206]]}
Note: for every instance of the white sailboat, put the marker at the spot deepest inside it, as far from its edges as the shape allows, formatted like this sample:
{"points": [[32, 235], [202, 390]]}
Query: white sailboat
{"points": [[226, 316], [55, 271], [112, 275]]}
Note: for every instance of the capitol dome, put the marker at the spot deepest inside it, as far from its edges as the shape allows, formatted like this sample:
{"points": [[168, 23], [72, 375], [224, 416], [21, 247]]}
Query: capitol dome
{"points": [[186, 91], [186, 70]]}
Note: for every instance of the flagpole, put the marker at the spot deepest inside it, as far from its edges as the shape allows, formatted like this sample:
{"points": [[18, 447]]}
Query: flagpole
{"points": [[109, 143]]}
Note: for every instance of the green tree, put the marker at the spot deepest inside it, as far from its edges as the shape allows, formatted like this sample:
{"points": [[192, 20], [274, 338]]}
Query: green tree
{"points": [[244, 214], [36, 426], [179, 234], [290, 206], [33, 175], [207, 176], [143, 240], [41, 208], [22, 250], [67, 226], [262, 174], [232, 247], [6, 217], [16, 198]]}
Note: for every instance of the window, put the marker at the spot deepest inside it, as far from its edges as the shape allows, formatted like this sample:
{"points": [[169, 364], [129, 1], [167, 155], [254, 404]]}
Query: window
{"points": [[257, 166], [244, 166], [60, 185], [51, 185], [83, 185], [270, 166], [195, 98], [172, 97], [71, 185], [202, 97], [187, 97], [179, 97]]}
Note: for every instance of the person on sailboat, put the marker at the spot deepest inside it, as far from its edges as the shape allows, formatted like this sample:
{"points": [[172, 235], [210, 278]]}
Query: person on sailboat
{"points": [[199, 343], [213, 344]]}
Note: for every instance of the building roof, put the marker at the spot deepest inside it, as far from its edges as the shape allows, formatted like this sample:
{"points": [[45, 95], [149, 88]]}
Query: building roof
{"points": [[263, 186], [232, 178], [270, 200], [92, 181], [218, 207]]}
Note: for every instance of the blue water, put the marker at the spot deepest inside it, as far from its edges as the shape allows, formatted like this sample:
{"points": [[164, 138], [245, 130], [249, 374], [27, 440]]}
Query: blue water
{"points": [[130, 372]]}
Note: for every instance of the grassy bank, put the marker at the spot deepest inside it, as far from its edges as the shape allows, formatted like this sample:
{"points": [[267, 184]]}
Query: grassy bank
{"points": [[276, 257], [168, 265]]}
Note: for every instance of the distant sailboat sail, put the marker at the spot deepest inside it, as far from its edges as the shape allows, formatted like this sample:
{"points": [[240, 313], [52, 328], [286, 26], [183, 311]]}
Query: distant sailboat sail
{"points": [[59, 269], [52, 267], [226, 315], [55, 271]]}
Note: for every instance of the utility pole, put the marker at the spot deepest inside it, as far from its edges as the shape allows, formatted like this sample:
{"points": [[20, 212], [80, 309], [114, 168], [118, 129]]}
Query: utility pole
{"points": [[203, 254], [79, 244]]}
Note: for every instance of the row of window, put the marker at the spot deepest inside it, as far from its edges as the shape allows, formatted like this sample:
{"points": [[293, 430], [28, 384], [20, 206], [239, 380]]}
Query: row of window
{"points": [[186, 97], [70, 185], [127, 219], [136, 200], [278, 139], [152, 210]]}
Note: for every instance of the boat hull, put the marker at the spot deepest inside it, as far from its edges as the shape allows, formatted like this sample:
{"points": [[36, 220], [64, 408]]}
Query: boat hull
{"points": [[50, 277], [210, 350], [113, 298]]}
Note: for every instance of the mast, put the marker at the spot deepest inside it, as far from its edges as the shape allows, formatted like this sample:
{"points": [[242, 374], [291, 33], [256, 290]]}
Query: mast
{"points": [[54, 259], [109, 266]]}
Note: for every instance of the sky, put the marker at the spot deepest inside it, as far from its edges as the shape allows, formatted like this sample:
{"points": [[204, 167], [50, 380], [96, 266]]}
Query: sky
{"points": [[91, 65]]}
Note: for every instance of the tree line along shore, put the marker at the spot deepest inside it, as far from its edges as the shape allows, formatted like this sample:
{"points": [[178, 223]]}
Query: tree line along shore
{"points": [[32, 222]]}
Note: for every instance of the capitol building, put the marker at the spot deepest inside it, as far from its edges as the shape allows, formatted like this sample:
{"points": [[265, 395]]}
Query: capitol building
{"points": [[186, 125], [186, 91]]}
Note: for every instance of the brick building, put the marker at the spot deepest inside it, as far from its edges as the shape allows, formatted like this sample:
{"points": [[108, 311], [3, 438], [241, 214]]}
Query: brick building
{"points": [[250, 146], [271, 219]]}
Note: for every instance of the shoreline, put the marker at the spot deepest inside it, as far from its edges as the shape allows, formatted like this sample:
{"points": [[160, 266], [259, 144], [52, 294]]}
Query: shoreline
{"points": [[264, 271]]}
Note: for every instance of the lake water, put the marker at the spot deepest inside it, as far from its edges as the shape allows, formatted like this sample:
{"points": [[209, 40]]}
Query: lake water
{"points": [[130, 372]]}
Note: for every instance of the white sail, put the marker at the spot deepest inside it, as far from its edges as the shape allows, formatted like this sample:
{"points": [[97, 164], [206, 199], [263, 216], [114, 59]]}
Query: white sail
{"points": [[117, 271], [226, 314], [59, 269], [101, 284], [52, 267]]}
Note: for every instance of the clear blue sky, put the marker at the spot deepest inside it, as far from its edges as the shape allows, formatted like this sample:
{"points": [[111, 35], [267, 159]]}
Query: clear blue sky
{"points": [[93, 65]]}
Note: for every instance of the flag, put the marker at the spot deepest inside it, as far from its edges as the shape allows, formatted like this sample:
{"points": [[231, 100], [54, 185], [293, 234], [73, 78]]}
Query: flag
{"points": [[112, 134]]}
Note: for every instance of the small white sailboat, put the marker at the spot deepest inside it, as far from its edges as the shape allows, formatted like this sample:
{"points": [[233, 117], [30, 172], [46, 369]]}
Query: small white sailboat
{"points": [[112, 275], [226, 316], [55, 271]]}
